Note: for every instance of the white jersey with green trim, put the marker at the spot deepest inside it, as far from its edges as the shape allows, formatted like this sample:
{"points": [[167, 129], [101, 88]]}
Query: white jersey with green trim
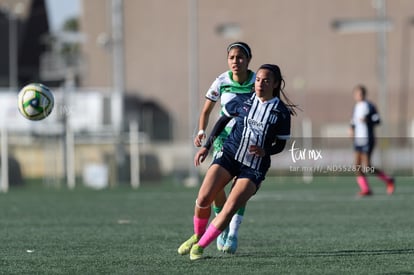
{"points": [[225, 88]]}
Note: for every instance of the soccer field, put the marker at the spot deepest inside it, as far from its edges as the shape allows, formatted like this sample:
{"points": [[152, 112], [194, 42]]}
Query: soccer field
{"points": [[289, 228]]}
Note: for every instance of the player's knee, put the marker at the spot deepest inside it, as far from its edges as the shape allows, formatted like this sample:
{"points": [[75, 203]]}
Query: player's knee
{"points": [[202, 203]]}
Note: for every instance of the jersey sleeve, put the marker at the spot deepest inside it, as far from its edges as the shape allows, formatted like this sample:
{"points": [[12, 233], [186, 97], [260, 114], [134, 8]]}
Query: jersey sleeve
{"points": [[213, 92], [373, 116], [284, 126], [352, 120]]}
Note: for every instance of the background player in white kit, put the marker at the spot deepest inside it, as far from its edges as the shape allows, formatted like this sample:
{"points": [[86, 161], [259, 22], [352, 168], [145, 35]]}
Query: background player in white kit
{"points": [[365, 117]]}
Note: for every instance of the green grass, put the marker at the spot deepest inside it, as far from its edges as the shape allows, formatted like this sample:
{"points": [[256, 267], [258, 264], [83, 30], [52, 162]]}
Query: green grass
{"points": [[289, 228]]}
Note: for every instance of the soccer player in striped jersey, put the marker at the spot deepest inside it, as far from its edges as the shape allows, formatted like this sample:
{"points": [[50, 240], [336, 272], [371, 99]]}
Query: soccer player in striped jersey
{"points": [[262, 126], [365, 117], [238, 80]]}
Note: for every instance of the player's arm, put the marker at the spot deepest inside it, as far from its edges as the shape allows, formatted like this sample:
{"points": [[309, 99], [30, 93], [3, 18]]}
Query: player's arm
{"points": [[352, 131], [351, 128], [217, 129], [283, 135], [374, 117], [203, 121], [277, 147]]}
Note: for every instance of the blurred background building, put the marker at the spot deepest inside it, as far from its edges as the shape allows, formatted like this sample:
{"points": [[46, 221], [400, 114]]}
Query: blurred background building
{"points": [[148, 64], [321, 62], [23, 23]]}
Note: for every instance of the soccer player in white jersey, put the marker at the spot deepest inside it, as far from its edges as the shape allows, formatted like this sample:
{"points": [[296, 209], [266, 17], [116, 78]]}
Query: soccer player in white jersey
{"points": [[262, 126], [365, 117], [238, 80]]}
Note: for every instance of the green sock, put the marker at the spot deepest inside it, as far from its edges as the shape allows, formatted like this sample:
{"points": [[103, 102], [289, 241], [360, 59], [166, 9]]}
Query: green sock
{"points": [[217, 209], [241, 211]]}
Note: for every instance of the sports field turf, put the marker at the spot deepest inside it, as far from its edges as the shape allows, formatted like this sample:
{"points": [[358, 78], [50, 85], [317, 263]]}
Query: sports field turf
{"points": [[289, 228]]}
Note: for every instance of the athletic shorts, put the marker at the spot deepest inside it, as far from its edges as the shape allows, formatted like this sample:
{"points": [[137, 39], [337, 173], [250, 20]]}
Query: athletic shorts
{"points": [[367, 148], [239, 170]]}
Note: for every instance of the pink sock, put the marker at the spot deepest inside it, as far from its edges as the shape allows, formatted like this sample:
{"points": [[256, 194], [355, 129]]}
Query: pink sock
{"points": [[384, 176], [363, 183], [199, 225], [210, 235]]}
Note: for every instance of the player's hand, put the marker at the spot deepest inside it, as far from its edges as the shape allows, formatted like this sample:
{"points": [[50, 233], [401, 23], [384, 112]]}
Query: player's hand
{"points": [[257, 150], [198, 140], [200, 156]]}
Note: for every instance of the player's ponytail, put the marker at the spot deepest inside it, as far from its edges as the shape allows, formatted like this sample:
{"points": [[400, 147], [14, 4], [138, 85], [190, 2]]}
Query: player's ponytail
{"points": [[279, 90]]}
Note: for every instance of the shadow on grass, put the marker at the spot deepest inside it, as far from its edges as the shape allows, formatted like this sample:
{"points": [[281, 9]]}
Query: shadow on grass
{"points": [[339, 253], [359, 252]]}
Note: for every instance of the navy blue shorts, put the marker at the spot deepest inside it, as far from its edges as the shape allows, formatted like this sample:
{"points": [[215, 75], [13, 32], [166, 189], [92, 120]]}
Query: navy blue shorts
{"points": [[239, 170], [367, 148]]}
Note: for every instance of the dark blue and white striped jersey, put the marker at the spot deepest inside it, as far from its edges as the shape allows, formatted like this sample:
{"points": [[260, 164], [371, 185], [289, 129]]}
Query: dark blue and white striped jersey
{"points": [[257, 123]]}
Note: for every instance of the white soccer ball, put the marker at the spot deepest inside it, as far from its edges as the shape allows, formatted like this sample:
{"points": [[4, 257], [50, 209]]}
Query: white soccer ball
{"points": [[35, 101]]}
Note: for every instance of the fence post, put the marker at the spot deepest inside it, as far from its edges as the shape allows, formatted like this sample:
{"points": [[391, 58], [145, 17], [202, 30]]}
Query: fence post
{"points": [[70, 157], [307, 143], [134, 153], [4, 184]]}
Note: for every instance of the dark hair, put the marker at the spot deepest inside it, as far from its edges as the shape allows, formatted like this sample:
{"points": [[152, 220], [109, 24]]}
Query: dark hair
{"points": [[363, 90], [241, 45], [275, 70]]}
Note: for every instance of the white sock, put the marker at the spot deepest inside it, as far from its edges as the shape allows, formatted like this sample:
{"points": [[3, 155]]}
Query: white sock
{"points": [[235, 224]]}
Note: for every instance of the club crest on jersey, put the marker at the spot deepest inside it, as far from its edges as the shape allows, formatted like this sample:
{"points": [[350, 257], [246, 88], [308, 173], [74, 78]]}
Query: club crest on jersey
{"points": [[273, 117], [214, 93]]}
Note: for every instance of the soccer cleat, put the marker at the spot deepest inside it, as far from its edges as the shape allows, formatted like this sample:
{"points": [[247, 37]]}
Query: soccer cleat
{"points": [[391, 187], [231, 245], [196, 252], [186, 246], [221, 239], [364, 193]]}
